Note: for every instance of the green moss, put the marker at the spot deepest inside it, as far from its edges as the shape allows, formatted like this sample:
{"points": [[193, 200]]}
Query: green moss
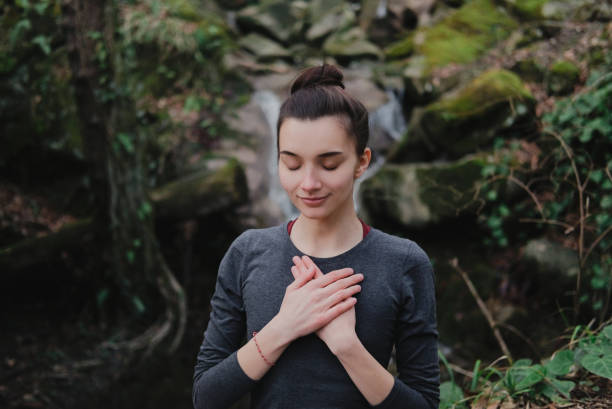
{"points": [[563, 67], [488, 89], [562, 77], [447, 189], [465, 34], [400, 49], [530, 9]]}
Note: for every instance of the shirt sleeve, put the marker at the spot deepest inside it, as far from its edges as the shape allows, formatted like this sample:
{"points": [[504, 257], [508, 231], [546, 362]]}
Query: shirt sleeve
{"points": [[218, 379], [416, 343]]}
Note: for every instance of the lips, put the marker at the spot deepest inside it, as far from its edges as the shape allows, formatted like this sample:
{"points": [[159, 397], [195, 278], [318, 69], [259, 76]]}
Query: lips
{"points": [[313, 201]]}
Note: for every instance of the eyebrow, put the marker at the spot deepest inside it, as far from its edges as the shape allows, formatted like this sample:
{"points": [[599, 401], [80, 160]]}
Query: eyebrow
{"points": [[321, 155]]}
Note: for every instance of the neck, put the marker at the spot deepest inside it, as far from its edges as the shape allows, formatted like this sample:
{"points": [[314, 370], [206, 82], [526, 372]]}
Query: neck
{"points": [[327, 237]]}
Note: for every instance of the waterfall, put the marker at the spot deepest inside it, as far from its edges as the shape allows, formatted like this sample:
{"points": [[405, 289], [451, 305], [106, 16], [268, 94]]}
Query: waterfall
{"points": [[387, 117]]}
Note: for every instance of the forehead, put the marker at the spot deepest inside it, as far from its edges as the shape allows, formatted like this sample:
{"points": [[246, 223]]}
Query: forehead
{"points": [[311, 137]]}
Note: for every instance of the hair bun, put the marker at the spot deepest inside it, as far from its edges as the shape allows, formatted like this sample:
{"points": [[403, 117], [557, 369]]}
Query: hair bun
{"points": [[318, 76]]}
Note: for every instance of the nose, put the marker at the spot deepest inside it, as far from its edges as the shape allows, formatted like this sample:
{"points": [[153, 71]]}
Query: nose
{"points": [[311, 181]]}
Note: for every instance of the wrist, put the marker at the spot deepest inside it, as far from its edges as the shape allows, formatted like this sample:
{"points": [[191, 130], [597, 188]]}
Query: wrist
{"points": [[282, 333], [346, 347]]}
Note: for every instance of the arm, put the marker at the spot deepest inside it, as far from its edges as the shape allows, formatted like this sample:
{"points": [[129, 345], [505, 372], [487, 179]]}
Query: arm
{"points": [[218, 379], [221, 375], [416, 344]]}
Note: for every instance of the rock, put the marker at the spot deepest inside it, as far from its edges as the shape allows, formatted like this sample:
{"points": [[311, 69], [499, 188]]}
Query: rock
{"points": [[562, 77], [419, 194], [526, 9], [337, 18], [551, 258], [277, 19], [529, 70], [263, 48], [463, 35], [351, 44], [488, 106]]}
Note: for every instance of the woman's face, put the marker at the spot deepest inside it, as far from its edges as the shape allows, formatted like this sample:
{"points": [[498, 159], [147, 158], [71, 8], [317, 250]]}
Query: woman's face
{"points": [[318, 165]]}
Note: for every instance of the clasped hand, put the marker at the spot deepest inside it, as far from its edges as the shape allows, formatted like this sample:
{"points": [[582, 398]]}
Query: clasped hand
{"points": [[321, 303]]}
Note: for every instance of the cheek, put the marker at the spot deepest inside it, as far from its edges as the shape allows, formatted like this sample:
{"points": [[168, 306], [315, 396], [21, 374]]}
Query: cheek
{"points": [[287, 179]]}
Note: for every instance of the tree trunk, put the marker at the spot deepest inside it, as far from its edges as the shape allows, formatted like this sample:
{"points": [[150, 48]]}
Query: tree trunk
{"points": [[116, 148]]}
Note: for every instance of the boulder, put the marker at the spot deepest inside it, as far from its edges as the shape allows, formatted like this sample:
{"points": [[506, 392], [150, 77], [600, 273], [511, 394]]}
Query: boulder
{"points": [[551, 258], [562, 77], [493, 104], [351, 44], [263, 48], [529, 70], [526, 9], [323, 22], [464, 34], [276, 19], [416, 195]]}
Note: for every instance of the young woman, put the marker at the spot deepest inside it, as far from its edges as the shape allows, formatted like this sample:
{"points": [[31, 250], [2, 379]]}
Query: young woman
{"points": [[321, 299]]}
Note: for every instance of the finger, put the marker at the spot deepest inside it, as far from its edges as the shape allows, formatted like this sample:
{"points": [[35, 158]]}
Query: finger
{"points": [[342, 295], [295, 272], [339, 308], [310, 264], [301, 279], [343, 283], [333, 276], [300, 265]]}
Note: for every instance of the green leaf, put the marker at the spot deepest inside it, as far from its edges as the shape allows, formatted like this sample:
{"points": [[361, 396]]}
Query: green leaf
{"points": [[596, 176], [17, 30], [561, 363], [43, 43], [607, 332], [598, 360], [140, 307], [102, 296], [450, 394], [606, 202], [563, 387], [530, 377], [126, 141], [492, 195], [129, 255]]}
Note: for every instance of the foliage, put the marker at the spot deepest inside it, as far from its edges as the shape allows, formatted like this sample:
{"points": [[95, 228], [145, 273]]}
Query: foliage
{"points": [[552, 380], [566, 176]]}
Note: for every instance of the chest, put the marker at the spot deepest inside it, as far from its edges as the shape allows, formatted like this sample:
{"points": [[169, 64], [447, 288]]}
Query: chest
{"points": [[377, 307]]}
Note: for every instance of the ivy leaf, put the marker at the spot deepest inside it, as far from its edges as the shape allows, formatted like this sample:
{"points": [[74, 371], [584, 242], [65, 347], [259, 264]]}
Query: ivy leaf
{"points": [[607, 331], [531, 376], [598, 360], [43, 42], [561, 363], [450, 394]]}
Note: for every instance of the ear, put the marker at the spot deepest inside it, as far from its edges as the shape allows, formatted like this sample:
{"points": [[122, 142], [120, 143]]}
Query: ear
{"points": [[363, 162]]}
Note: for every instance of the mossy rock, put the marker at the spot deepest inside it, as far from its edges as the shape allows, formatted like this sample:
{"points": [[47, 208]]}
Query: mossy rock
{"points": [[263, 48], [277, 19], [351, 44], [464, 35], [492, 103], [529, 70], [419, 194], [562, 77], [400, 49], [325, 17], [526, 9]]}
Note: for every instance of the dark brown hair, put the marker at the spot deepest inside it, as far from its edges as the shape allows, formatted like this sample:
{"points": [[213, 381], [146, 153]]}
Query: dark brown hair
{"points": [[318, 92]]}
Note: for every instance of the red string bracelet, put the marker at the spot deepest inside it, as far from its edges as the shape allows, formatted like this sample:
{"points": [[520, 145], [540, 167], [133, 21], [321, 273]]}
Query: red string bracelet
{"points": [[259, 349]]}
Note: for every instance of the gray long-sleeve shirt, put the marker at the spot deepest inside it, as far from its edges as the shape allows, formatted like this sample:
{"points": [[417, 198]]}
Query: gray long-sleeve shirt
{"points": [[396, 306]]}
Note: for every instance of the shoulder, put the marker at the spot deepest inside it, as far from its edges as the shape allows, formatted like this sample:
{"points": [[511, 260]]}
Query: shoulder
{"points": [[400, 249], [253, 240]]}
